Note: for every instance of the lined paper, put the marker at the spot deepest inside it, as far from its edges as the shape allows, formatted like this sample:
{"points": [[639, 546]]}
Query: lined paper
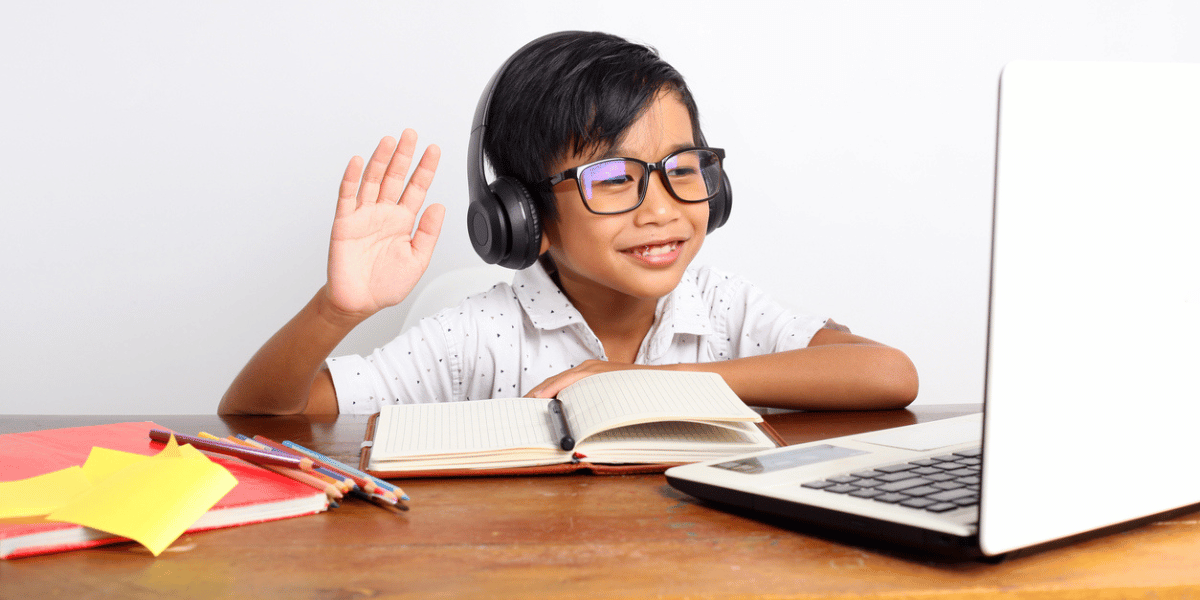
{"points": [[649, 415], [624, 397], [462, 427]]}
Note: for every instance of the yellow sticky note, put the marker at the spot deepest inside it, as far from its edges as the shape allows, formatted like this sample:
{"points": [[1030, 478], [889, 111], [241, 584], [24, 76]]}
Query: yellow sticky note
{"points": [[41, 495], [152, 501], [102, 463]]}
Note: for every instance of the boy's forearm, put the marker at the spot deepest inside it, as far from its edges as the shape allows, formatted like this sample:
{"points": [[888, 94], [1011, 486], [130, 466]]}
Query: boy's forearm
{"points": [[826, 377], [279, 378]]}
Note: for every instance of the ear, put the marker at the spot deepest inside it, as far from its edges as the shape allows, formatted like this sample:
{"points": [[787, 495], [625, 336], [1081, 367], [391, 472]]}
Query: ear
{"points": [[545, 245]]}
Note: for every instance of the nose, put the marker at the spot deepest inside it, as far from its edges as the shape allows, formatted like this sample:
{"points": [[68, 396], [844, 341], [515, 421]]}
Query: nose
{"points": [[659, 206]]}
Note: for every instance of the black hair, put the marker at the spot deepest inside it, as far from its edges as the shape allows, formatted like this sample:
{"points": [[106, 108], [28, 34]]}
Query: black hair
{"points": [[574, 93]]}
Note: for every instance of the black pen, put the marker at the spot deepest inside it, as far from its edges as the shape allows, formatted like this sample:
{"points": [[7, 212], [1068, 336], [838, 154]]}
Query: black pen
{"points": [[559, 420]]}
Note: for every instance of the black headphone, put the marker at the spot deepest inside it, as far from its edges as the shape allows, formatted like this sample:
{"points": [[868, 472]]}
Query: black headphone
{"points": [[502, 219]]}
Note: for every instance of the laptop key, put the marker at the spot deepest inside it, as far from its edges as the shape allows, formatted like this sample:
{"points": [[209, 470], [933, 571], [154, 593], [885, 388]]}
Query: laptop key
{"points": [[891, 498], [818, 485], [924, 490], [897, 486], [866, 483], [917, 502], [866, 493], [951, 495], [868, 474], [896, 468], [897, 476], [941, 507], [843, 488]]}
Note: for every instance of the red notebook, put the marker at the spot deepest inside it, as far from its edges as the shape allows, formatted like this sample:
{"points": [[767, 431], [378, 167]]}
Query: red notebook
{"points": [[260, 495]]}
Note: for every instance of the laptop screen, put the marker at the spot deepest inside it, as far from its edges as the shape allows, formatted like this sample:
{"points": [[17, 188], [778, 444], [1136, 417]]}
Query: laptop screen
{"points": [[1094, 333]]}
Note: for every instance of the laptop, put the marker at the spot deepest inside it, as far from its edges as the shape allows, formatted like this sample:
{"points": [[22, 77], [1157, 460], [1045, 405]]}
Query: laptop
{"points": [[1092, 379]]}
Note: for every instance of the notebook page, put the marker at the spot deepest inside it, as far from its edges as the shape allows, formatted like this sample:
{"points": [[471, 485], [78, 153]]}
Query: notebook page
{"points": [[671, 434], [625, 397], [674, 441], [458, 427]]}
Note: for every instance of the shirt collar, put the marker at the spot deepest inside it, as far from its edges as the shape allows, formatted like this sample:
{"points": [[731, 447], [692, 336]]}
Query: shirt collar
{"points": [[683, 311], [548, 308]]}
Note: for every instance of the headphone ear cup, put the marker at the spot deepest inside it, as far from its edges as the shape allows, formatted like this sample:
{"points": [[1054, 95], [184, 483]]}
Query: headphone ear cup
{"points": [[522, 236], [487, 226], [720, 206]]}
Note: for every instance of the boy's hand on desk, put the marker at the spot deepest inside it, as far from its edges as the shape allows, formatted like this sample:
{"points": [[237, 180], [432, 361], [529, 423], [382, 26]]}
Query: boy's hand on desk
{"points": [[551, 387], [375, 257]]}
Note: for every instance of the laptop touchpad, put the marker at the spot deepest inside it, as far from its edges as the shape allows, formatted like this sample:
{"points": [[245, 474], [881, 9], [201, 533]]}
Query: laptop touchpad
{"points": [[929, 436]]}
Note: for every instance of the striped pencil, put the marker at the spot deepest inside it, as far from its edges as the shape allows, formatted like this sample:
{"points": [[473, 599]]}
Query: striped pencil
{"points": [[344, 484], [251, 455], [318, 457], [364, 483], [317, 472], [331, 491]]}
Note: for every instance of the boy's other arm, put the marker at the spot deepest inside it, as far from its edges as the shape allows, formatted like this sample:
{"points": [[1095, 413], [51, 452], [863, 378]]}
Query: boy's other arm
{"points": [[288, 374], [837, 371], [375, 260]]}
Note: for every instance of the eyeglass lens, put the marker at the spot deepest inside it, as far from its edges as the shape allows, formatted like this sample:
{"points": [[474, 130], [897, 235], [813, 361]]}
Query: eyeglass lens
{"points": [[618, 185]]}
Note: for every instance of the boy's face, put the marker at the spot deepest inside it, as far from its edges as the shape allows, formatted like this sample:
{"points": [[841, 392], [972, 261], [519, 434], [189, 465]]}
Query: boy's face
{"points": [[642, 253]]}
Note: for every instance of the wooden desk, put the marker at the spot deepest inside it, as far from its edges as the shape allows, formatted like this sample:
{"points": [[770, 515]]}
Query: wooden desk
{"points": [[577, 536]]}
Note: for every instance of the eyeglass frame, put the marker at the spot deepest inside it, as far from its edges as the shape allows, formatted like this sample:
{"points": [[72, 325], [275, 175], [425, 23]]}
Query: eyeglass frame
{"points": [[573, 173]]}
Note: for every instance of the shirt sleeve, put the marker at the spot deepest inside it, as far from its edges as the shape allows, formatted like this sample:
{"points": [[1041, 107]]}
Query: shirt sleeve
{"points": [[756, 324], [418, 366]]}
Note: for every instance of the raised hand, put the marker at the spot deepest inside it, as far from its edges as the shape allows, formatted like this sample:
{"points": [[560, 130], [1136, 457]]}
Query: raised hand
{"points": [[375, 256]]}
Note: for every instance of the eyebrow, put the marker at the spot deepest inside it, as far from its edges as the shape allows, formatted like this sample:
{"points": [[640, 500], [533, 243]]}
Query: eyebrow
{"points": [[620, 152]]}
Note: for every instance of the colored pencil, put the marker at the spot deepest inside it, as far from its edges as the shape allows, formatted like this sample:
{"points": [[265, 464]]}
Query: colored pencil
{"points": [[257, 457], [363, 483], [331, 491], [343, 485], [317, 456]]}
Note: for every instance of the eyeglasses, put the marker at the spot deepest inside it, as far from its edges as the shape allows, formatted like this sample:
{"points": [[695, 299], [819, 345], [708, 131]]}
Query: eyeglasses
{"points": [[617, 185]]}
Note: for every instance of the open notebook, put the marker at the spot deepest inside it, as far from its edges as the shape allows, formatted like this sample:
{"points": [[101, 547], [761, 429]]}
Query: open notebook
{"points": [[639, 417]]}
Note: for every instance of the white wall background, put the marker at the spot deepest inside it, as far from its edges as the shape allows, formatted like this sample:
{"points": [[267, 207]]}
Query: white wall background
{"points": [[168, 170]]}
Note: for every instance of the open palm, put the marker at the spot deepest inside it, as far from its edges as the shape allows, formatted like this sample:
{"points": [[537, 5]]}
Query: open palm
{"points": [[375, 256]]}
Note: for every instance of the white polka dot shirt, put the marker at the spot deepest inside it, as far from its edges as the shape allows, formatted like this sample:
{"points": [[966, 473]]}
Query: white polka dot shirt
{"points": [[503, 342]]}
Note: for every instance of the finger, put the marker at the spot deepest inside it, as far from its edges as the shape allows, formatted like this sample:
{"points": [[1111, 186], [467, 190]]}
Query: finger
{"points": [[422, 178], [368, 192], [551, 387], [397, 169], [428, 229], [349, 187]]}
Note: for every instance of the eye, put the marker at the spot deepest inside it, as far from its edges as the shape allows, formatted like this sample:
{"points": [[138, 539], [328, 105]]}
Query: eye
{"points": [[614, 180], [681, 172]]}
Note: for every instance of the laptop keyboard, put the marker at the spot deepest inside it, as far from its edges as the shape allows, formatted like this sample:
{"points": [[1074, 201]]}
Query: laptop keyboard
{"points": [[938, 484]]}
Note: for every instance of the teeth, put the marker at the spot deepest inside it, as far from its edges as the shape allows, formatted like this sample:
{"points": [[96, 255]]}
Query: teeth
{"points": [[656, 250]]}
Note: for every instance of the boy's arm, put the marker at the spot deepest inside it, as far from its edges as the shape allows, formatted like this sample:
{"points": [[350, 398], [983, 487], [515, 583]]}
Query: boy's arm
{"points": [[288, 375], [837, 371], [375, 260]]}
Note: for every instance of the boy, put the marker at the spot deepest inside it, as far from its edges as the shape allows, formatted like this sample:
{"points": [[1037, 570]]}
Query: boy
{"points": [[576, 118]]}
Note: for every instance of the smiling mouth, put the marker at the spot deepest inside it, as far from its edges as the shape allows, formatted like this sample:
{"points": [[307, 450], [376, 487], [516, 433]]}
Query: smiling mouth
{"points": [[654, 250]]}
